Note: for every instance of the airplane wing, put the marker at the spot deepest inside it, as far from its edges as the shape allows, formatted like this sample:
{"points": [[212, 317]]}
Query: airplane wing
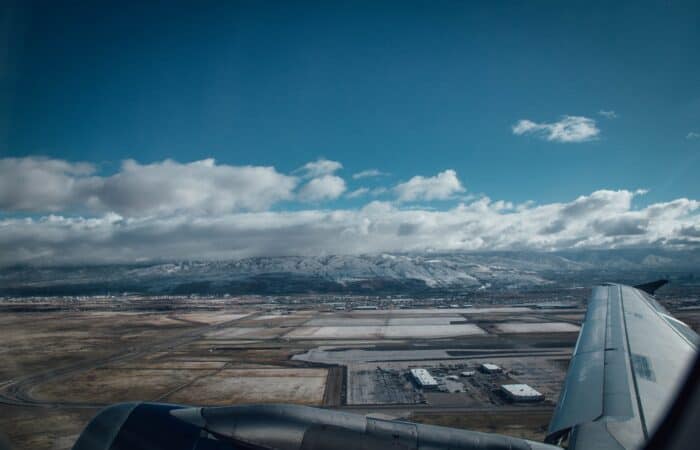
{"points": [[629, 361], [154, 426]]}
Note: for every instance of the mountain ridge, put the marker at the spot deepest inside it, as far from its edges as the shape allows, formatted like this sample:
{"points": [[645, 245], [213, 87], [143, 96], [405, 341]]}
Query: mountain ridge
{"points": [[342, 273]]}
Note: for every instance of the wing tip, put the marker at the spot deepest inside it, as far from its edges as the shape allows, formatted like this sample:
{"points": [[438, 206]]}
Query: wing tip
{"points": [[651, 287]]}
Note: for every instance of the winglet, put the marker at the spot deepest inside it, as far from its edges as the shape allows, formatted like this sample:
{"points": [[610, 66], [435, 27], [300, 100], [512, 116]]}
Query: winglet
{"points": [[651, 287]]}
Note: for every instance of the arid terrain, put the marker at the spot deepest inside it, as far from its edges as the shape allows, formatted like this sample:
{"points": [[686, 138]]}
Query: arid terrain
{"points": [[64, 360]]}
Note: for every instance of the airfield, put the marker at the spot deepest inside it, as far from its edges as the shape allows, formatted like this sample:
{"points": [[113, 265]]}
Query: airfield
{"points": [[65, 360]]}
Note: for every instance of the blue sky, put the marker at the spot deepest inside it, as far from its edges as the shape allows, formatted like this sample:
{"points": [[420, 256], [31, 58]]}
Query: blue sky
{"points": [[406, 88], [414, 89]]}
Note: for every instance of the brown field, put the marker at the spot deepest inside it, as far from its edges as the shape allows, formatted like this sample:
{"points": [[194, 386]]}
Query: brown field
{"points": [[527, 424], [231, 386], [59, 368]]}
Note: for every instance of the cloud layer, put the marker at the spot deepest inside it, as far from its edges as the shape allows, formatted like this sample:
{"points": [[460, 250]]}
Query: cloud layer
{"points": [[567, 130], [603, 219], [202, 210], [49, 185]]}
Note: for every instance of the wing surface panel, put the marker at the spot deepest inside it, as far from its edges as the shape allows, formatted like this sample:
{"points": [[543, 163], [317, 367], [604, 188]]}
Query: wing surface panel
{"points": [[659, 354], [645, 353], [585, 381]]}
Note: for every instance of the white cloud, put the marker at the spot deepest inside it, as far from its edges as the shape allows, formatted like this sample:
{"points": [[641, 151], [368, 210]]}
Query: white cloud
{"points": [[608, 114], [692, 135], [368, 174], [442, 186], [204, 210], [326, 187], [320, 167], [358, 192], [40, 185], [567, 130], [603, 219]]}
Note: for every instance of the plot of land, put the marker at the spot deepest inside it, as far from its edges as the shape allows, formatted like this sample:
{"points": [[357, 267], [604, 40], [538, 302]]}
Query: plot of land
{"points": [[452, 311], [276, 316], [232, 386], [117, 385], [438, 320], [368, 385], [331, 355], [545, 327], [346, 322], [398, 331], [382, 321], [213, 317], [245, 332], [431, 331]]}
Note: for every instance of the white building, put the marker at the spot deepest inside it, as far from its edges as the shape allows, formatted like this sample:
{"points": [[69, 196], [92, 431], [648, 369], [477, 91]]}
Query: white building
{"points": [[423, 378], [490, 368], [521, 393]]}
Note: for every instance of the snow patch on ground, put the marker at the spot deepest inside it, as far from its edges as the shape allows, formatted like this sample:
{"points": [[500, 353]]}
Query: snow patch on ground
{"points": [[546, 327], [381, 332]]}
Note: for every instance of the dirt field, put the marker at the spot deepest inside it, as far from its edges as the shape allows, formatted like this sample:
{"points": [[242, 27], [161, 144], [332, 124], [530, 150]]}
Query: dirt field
{"points": [[60, 367], [43, 428], [528, 423], [232, 386], [118, 385]]}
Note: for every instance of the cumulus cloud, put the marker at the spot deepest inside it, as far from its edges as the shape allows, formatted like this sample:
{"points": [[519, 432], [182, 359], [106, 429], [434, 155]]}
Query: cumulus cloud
{"points": [[600, 202], [442, 186], [603, 219], [319, 168], [622, 226], [326, 187], [40, 185], [569, 129], [204, 210], [369, 173], [359, 192], [608, 114], [692, 135]]}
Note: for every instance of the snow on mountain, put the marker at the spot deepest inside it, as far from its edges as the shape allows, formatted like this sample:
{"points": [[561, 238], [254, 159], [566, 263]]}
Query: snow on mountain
{"points": [[338, 272]]}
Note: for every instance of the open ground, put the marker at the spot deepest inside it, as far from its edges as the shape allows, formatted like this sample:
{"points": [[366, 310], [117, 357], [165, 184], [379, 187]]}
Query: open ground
{"points": [[63, 365]]}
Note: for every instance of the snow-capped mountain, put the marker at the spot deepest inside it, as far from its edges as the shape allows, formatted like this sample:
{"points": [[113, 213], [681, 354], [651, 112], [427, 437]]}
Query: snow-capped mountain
{"points": [[347, 273]]}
